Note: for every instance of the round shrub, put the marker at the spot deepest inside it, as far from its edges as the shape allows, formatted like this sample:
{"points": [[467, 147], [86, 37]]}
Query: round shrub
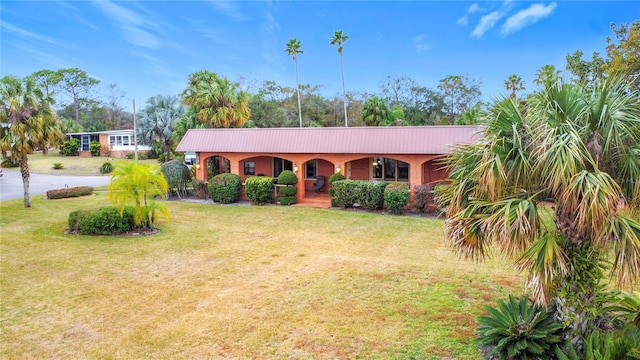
{"points": [[106, 167], [396, 197], [70, 147], [287, 177], [288, 200], [259, 189], [225, 188], [336, 177], [177, 175], [287, 191], [94, 148]]}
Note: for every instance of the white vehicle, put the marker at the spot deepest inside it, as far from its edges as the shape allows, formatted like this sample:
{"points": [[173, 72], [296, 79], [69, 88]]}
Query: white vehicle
{"points": [[190, 157]]}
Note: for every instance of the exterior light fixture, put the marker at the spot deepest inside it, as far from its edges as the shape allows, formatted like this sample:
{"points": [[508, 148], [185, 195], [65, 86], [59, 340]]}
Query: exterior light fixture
{"points": [[295, 168], [338, 168]]}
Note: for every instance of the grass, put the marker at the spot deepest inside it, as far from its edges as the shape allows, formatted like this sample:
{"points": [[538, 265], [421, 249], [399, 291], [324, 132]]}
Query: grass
{"points": [[260, 282], [71, 165]]}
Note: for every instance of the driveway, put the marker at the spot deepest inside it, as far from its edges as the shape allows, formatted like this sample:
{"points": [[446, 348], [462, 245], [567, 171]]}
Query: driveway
{"points": [[11, 183]]}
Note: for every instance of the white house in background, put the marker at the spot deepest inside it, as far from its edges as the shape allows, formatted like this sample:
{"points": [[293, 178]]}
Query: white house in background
{"points": [[113, 143]]}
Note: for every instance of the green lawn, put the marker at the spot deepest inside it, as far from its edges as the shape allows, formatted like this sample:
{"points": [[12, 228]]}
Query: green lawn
{"points": [[72, 165], [260, 282]]}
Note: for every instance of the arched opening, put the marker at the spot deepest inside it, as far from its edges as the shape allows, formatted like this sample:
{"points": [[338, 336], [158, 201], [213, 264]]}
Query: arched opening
{"points": [[316, 173], [433, 172], [216, 164]]}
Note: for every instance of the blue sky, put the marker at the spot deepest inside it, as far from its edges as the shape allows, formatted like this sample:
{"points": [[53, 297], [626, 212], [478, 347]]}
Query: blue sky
{"points": [[150, 47]]}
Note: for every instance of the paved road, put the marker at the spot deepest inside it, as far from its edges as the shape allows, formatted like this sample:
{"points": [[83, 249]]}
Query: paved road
{"points": [[11, 183]]}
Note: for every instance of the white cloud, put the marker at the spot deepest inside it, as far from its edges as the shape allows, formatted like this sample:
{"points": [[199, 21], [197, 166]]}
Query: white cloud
{"points": [[464, 20], [420, 44], [527, 17], [134, 26], [487, 22], [26, 34], [228, 8]]}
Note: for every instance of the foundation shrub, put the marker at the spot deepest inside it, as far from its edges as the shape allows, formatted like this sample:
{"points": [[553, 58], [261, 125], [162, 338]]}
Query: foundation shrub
{"points": [[225, 188], [94, 148], [69, 192], [200, 189], [287, 177], [423, 197], [396, 197], [259, 189], [288, 195], [287, 191], [288, 200], [368, 194], [335, 177], [70, 147]]}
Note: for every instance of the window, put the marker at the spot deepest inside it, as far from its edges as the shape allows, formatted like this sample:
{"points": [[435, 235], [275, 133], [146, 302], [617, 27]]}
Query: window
{"points": [[280, 165], [249, 167], [389, 169], [112, 140], [311, 168], [125, 140]]}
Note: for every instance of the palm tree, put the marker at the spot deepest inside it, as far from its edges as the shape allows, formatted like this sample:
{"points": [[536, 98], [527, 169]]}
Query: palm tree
{"points": [[25, 110], [160, 117], [294, 48], [375, 111], [514, 84], [217, 101], [338, 39], [137, 182], [547, 76], [577, 148]]}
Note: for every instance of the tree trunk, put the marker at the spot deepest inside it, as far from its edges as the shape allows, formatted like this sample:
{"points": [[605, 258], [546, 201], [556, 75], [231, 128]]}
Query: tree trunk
{"points": [[167, 150], [24, 169], [76, 108]]}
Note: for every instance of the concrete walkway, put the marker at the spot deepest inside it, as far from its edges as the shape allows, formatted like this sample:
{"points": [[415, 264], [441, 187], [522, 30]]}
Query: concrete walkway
{"points": [[11, 186]]}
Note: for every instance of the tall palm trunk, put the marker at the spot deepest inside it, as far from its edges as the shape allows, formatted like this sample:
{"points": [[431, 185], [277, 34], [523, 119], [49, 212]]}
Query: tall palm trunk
{"points": [[298, 90], [24, 169], [344, 92]]}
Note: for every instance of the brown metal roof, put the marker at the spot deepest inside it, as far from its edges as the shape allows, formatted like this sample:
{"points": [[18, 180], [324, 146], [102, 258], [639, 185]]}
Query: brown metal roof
{"points": [[331, 140]]}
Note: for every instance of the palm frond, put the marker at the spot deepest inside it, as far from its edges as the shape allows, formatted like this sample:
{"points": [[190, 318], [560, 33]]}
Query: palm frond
{"points": [[624, 233], [543, 261]]}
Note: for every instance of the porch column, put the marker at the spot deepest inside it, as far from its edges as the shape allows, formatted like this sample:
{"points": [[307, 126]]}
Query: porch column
{"points": [[415, 177], [301, 184]]}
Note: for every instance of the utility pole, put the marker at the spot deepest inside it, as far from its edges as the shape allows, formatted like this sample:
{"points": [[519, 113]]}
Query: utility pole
{"points": [[135, 131]]}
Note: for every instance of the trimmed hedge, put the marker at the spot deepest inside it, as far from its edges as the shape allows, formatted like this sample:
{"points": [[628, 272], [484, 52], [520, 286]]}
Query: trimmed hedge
{"points": [[288, 195], [225, 188], [70, 192], [423, 197], [103, 221], [259, 189], [368, 194], [396, 197], [336, 177], [287, 191], [288, 200], [287, 177]]}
